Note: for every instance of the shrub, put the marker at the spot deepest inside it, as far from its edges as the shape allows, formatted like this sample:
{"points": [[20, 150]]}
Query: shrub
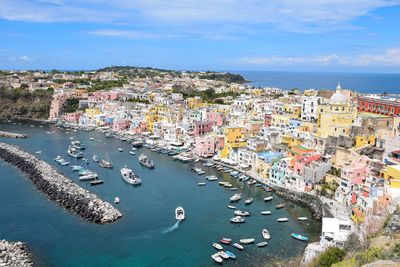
{"points": [[331, 256]]}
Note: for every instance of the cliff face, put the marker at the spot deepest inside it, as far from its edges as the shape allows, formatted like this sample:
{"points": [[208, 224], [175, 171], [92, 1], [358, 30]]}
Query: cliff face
{"points": [[22, 104]]}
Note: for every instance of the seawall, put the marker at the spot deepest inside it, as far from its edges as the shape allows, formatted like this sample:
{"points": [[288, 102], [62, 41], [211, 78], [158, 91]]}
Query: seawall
{"points": [[58, 187], [12, 135], [14, 254]]}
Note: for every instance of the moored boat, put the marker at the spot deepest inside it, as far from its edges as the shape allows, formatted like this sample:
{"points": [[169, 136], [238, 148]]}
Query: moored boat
{"points": [[231, 255], [238, 219], [225, 241], [241, 213], [217, 258], [145, 161], [284, 219], [280, 206], [95, 158], [231, 207], [130, 177], [116, 200], [201, 184], [217, 246], [247, 241], [238, 246], [266, 212], [299, 237], [302, 218], [262, 244], [212, 178], [265, 233], [235, 197], [248, 201], [223, 255], [268, 198]]}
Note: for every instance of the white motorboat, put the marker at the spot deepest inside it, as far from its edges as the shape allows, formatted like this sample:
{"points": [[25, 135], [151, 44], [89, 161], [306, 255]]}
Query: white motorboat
{"points": [[223, 255], [231, 207], [268, 198], [238, 219], [212, 178], [247, 241], [262, 244], [251, 182], [238, 246], [132, 153], [302, 218], [233, 188], [179, 214], [130, 177], [217, 246], [120, 150], [96, 158], [266, 234], [116, 200], [235, 197], [88, 177], [145, 161], [241, 213], [217, 258], [266, 212], [248, 201], [39, 152], [201, 184], [283, 219]]}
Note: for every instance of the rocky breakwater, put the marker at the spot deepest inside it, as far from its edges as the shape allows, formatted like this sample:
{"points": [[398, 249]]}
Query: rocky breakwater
{"points": [[58, 187], [14, 254], [12, 135], [311, 201]]}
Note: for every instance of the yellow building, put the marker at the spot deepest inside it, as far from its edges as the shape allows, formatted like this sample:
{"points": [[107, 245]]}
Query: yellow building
{"points": [[336, 117], [294, 110], [194, 102], [392, 174], [234, 138], [280, 120], [92, 112], [365, 140]]}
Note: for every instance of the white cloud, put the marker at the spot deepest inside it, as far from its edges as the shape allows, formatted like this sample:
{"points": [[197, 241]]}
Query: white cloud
{"points": [[388, 57], [128, 34], [291, 15], [22, 59]]}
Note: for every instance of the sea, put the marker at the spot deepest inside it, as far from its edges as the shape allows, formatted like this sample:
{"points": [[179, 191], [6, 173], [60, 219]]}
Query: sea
{"points": [[376, 83], [147, 234]]}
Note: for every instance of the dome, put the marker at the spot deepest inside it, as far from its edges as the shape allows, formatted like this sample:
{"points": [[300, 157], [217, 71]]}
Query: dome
{"points": [[338, 98], [338, 87]]}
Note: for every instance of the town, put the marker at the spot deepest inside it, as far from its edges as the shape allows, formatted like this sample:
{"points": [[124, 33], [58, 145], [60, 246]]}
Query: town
{"points": [[338, 146]]}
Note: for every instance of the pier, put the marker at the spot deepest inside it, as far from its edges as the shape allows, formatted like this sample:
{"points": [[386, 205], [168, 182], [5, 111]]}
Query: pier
{"points": [[12, 135], [58, 187], [14, 254]]}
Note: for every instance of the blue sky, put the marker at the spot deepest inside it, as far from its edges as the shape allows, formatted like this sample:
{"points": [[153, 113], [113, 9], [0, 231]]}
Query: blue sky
{"points": [[302, 35]]}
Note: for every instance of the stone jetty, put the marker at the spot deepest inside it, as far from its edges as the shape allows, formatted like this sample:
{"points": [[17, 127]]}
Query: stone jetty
{"points": [[14, 254], [12, 135], [58, 187]]}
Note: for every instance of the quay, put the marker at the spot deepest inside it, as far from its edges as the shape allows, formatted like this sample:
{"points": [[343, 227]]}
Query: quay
{"points": [[58, 187], [12, 135], [14, 254]]}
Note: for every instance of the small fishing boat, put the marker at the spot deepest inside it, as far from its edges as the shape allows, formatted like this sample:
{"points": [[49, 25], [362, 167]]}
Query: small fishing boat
{"points": [[76, 168], [266, 212], [284, 219], [299, 237], [132, 153], [241, 213], [268, 198], [280, 206], [120, 150], [233, 188], [231, 207], [88, 177], [248, 201], [212, 178], [201, 184], [201, 172], [116, 200], [179, 214], [231, 255], [262, 244], [106, 164], [258, 185], [265, 233], [223, 255], [39, 152], [238, 219], [302, 218], [217, 246], [235, 197], [247, 241], [217, 258], [238, 246], [64, 163], [96, 182], [145, 161], [225, 241], [251, 182]]}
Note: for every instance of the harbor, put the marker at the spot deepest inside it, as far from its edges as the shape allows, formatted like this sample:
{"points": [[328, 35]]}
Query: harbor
{"points": [[148, 210]]}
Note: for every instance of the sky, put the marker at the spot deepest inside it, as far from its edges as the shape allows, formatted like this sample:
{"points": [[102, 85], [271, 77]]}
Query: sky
{"points": [[292, 35]]}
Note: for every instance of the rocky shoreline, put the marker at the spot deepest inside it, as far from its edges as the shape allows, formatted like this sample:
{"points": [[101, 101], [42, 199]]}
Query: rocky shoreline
{"points": [[58, 187], [14, 254], [12, 135]]}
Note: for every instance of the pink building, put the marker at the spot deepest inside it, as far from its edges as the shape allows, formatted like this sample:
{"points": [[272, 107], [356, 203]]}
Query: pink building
{"points": [[202, 127], [217, 118], [357, 171], [105, 95], [72, 117], [205, 146], [121, 125], [56, 105], [139, 128]]}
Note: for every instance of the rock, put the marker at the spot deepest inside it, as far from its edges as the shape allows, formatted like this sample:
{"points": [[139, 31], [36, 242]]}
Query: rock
{"points": [[58, 187], [383, 263], [12, 135], [14, 254]]}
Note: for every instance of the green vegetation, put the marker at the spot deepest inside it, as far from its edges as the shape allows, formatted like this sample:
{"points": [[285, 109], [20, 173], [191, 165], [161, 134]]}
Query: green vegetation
{"points": [[71, 105], [331, 256], [208, 95], [98, 85], [139, 100], [225, 77], [22, 104]]}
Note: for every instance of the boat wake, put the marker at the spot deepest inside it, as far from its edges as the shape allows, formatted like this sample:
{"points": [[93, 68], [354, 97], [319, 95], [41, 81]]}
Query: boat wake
{"points": [[172, 228]]}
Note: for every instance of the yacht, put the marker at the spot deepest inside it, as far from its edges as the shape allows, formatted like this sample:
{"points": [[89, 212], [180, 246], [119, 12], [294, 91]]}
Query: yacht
{"points": [[179, 214], [145, 161], [265, 234], [78, 145], [130, 177], [235, 197], [106, 164], [73, 152]]}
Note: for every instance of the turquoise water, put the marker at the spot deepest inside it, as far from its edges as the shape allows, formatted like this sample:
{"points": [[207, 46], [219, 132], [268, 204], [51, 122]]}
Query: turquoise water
{"points": [[147, 234]]}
